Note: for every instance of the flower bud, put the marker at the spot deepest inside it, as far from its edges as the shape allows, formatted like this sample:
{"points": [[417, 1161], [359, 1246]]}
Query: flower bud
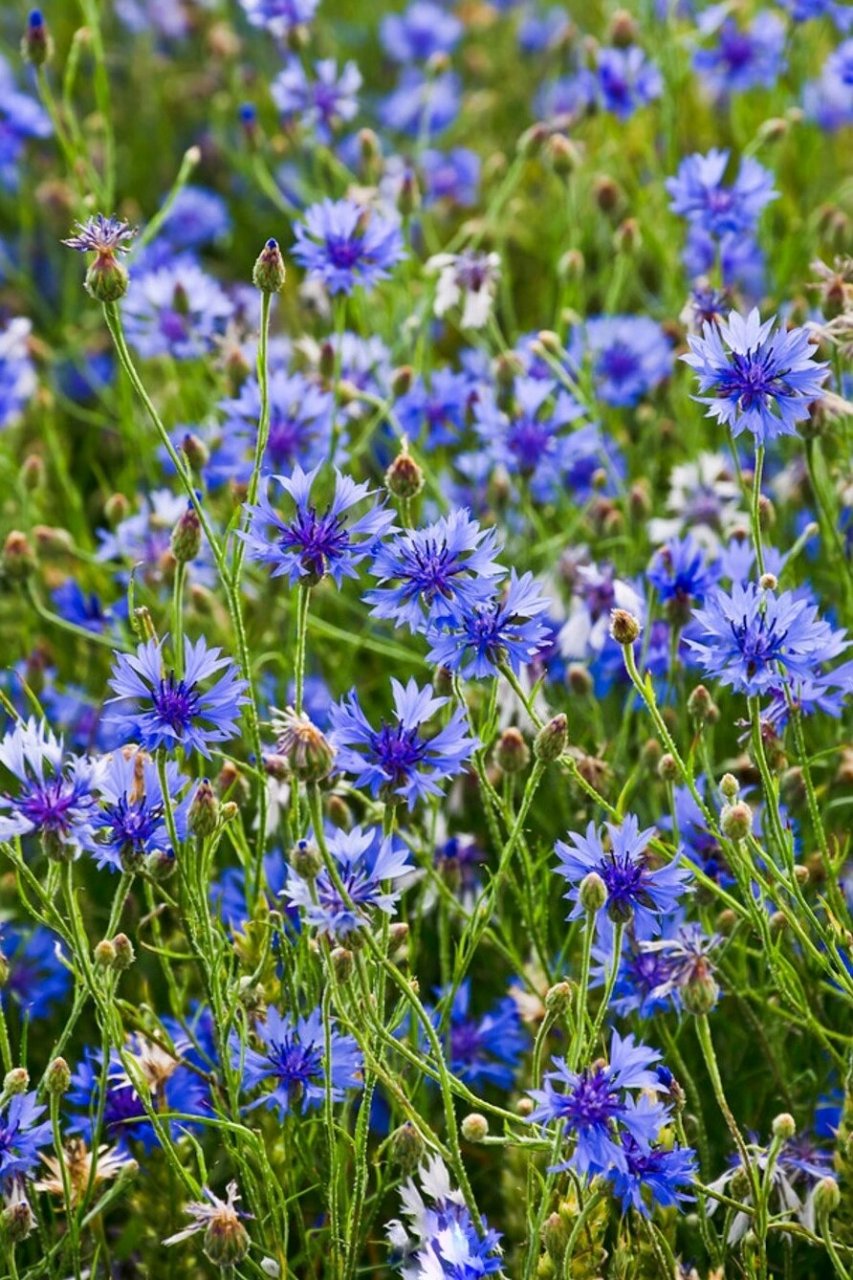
{"points": [[269, 272], [57, 1077], [226, 1240], [668, 770], [404, 478], [730, 787], [159, 866], [525, 1107], [370, 150], [186, 536], [18, 557], [622, 30], [827, 1195], [16, 1081], [17, 1219], [116, 509], [309, 754], [406, 1147], [555, 1236], [474, 1127], [699, 704], [558, 999], [624, 627], [580, 681], [195, 451], [563, 154], [592, 893], [106, 279], [203, 817], [736, 821], [550, 741], [37, 44], [512, 753], [409, 196], [784, 1126], [768, 582], [105, 954], [343, 963], [306, 860], [125, 955], [32, 472], [700, 994]]}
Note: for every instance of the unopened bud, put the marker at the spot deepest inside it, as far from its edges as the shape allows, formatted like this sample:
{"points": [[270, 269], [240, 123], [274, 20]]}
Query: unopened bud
{"points": [[550, 741], [729, 786], [124, 952], [827, 1195], [525, 1107], [699, 704], [306, 860], [186, 536], [592, 893], [768, 582], [627, 237], [32, 472], [606, 193], [269, 272], [18, 557], [309, 754], [343, 963], [668, 770], [622, 30], [404, 478], [736, 821], [105, 954], [558, 998], [512, 753], [116, 509], [784, 1126], [700, 994], [401, 380], [339, 812], [57, 1077], [16, 1081], [195, 451], [371, 154], [475, 1127], [203, 817], [36, 45], [579, 680], [624, 627], [563, 154], [106, 279], [406, 1147]]}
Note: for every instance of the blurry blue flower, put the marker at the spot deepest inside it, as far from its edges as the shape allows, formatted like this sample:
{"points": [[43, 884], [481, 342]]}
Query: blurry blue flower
{"points": [[56, 793], [452, 175], [742, 57], [292, 1058], [637, 889], [422, 105], [529, 438], [739, 258], [197, 217], [17, 372], [398, 759], [626, 80], [419, 32], [21, 1136], [681, 574], [176, 310], [280, 17], [597, 1107], [630, 356], [84, 610], [754, 641], [476, 637], [21, 118], [697, 192], [311, 545], [422, 571], [758, 380], [143, 540], [436, 410], [161, 709], [345, 245], [805, 10], [485, 1049], [829, 100], [300, 424], [439, 1238], [131, 822], [368, 864], [563, 101], [538, 32], [322, 102], [38, 978]]}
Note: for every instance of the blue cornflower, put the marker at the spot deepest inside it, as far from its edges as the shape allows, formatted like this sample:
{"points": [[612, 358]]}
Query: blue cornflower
{"points": [[806, 10], [102, 235], [698, 193], [292, 1059], [422, 30], [681, 574], [161, 709], [636, 888], [739, 256], [368, 865], [701, 846], [829, 100], [398, 759], [21, 1136], [21, 118], [175, 310], [758, 380], [630, 356], [280, 17], [300, 421], [755, 641], [423, 571], [130, 823], [423, 104], [452, 175], [742, 57], [311, 545], [476, 637], [663, 1174], [345, 245], [197, 217], [598, 1109], [17, 372], [562, 102], [539, 32], [439, 1238], [143, 541], [86, 610], [322, 102], [626, 80], [435, 413], [485, 1049], [55, 796], [530, 439], [38, 979]]}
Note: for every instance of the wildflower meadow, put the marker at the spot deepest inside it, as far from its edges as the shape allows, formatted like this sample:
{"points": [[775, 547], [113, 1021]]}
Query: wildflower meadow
{"points": [[426, 573]]}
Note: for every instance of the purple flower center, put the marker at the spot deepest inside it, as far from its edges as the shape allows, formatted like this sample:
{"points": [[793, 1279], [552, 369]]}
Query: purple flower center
{"points": [[317, 539], [466, 1044], [344, 251], [295, 1064], [618, 363], [51, 806], [433, 570], [751, 381], [123, 1104], [592, 1102], [529, 441], [736, 48], [399, 751], [175, 702], [624, 881], [759, 642]]}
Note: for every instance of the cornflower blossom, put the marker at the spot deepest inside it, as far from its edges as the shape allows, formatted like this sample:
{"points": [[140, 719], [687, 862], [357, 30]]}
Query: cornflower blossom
{"points": [[438, 1237], [626, 80], [697, 192], [174, 1088], [18, 380], [368, 865], [322, 102], [21, 1135], [345, 245], [466, 280], [143, 540], [85, 610], [162, 709], [663, 1173], [742, 57], [681, 575], [292, 1058], [281, 18], [806, 10], [630, 356], [176, 310], [598, 1108], [829, 100], [398, 759], [311, 545], [22, 119], [704, 498], [637, 890], [38, 978], [509, 628], [529, 438], [452, 176], [56, 793], [300, 425], [418, 33], [423, 104], [423, 572], [105, 236], [197, 217], [485, 1049], [759, 381], [130, 823], [756, 641], [436, 411]]}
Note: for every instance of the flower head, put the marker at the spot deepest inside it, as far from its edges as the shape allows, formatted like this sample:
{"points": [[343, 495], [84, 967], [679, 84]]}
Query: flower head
{"points": [[698, 193], [626, 80], [163, 709], [399, 759], [756, 380], [175, 310], [345, 245], [312, 544], [680, 573], [130, 822], [423, 30], [21, 1135], [39, 977], [486, 1048], [280, 17], [742, 57], [476, 637], [291, 1057], [439, 1237], [322, 102], [102, 235], [630, 356], [226, 1241], [300, 426], [468, 280], [368, 865], [81, 1165], [55, 796]]}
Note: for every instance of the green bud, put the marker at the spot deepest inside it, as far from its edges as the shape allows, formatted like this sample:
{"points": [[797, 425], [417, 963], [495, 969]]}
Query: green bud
{"points": [[474, 1127], [309, 754], [550, 741], [624, 627], [186, 536], [736, 821], [404, 478], [57, 1077], [306, 860], [592, 893], [406, 1147], [106, 279], [125, 954], [16, 1081], [203, 817], [269, 273], [512, 753], [784, 1126]]}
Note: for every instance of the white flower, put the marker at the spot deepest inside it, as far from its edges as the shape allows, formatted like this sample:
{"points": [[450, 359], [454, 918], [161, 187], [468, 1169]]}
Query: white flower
{"points": [[468, 280]]}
